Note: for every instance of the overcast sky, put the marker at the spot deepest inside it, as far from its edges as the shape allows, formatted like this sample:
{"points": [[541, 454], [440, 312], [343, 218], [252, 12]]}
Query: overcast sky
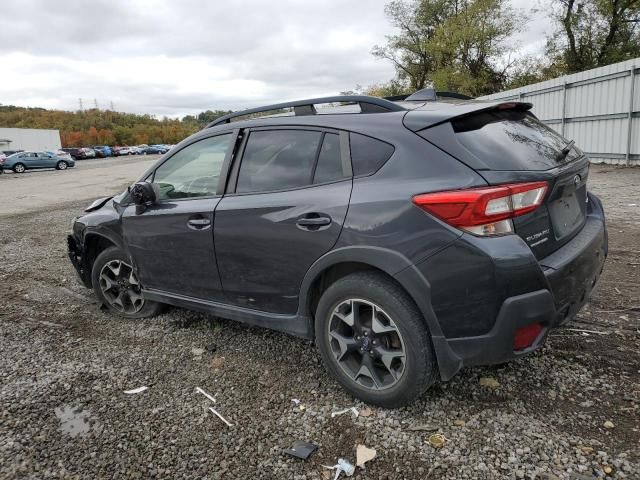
{"points": [[175, 57]]}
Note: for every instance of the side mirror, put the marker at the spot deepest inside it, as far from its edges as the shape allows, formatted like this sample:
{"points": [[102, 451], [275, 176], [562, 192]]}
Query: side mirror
{"points": [[144, 194]]}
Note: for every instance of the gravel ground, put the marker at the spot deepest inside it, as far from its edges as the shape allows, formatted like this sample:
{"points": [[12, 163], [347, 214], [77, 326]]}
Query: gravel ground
{"points": [[65, 364]]}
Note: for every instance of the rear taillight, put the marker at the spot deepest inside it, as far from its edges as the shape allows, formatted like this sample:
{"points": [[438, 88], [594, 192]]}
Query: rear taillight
{"points": [[484, 211]]}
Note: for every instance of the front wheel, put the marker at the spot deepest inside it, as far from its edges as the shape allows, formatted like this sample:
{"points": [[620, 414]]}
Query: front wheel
{"points": [[374, 341], [116, 285], [19, 168], [61, 165]]}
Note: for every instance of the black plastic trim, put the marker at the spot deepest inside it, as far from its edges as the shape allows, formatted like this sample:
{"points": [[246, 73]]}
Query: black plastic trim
{"points": [[367, 105], [497, 345], [297, 325]]}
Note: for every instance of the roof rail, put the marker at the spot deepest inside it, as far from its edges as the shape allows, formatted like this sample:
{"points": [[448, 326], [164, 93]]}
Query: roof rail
{"points": [[306, 107], [427, 94]]}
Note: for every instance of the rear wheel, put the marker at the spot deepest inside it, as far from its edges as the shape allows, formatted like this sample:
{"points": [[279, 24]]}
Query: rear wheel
{"points": [[61, 165], [374, 341], [116, 284], [19, 168]]}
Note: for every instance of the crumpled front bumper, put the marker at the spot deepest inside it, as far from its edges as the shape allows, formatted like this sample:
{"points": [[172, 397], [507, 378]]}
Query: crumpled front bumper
{"points": [[76, 255]]}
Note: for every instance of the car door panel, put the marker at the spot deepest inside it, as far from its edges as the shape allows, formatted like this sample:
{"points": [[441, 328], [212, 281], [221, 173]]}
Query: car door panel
{"points": [[172, 252], [171, 241], [262, 252]]}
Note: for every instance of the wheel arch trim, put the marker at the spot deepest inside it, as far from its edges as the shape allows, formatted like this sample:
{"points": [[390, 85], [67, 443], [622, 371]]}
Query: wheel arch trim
{"points": [[398, 267]]}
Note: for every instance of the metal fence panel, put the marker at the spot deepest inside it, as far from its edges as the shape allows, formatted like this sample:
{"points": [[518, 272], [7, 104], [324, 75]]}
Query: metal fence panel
{"points": [[599, 109]]}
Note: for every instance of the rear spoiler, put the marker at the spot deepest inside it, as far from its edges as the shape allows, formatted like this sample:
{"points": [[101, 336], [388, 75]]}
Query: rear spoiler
{"points": [[431, 115]]}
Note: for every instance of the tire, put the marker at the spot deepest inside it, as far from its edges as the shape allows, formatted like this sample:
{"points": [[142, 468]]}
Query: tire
{"points": [[405, 330], [102, 275], [19, 168], [61, 165]]}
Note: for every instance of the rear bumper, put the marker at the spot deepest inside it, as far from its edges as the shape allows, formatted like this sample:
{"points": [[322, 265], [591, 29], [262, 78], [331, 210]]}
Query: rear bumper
{"points": [[570, 274], [574, 270], [497, 345]]}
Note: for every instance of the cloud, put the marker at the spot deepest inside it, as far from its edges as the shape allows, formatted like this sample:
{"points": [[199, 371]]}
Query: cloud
{"points": [[171, 58]]}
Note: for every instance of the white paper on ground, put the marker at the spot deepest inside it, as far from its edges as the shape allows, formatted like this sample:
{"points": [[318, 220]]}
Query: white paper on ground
{"points": [[136, 390]]}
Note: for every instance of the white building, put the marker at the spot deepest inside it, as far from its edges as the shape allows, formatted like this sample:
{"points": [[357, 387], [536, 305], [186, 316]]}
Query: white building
{"points": [[33, 139], [599, 109]]}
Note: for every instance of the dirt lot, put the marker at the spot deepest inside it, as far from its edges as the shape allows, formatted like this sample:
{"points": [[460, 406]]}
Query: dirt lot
{"points": [[65, 364], [38, 189]]}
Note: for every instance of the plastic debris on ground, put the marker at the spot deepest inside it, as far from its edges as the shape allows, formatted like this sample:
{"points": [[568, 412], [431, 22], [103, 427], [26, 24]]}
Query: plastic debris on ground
{"points": [[353, 410], [364, 454], [343, 466], [136, 390], [366, 412], [301, 449], [199, 390], [213, 410]]}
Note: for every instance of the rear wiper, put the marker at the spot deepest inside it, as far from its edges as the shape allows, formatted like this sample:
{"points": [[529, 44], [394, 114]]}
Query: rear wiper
{"points": [[562, 154]]}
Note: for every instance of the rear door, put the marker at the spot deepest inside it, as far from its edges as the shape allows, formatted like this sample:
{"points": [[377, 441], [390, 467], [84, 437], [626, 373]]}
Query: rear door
{"points": [[172, 241], [287, 200], [46, 160]]}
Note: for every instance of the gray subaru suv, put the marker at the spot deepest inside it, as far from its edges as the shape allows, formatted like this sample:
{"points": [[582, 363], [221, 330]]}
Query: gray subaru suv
{"points": [[408, 239]]}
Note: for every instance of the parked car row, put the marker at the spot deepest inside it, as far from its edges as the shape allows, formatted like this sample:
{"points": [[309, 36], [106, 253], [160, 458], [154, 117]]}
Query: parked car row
{"points": [[103, 151], [21, 161]]}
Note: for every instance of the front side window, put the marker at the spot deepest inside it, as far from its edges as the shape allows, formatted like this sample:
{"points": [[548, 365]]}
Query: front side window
{"points": [[278, 160], [194, 170]]}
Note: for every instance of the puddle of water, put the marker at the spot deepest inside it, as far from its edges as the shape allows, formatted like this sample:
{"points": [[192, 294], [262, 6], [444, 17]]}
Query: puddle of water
{"points": [[75, 420]]}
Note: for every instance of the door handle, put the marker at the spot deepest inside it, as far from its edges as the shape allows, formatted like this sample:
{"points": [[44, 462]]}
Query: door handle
{"points": [[199, 223], [313, 223]]}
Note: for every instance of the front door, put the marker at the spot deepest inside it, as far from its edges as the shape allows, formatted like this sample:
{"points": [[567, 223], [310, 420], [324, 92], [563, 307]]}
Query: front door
{"points": [[286, 209], [171, 242], [30, 160]]}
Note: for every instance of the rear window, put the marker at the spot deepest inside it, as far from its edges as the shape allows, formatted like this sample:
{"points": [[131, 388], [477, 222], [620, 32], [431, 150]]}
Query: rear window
{"points": [[511, 140], [368, 154]]}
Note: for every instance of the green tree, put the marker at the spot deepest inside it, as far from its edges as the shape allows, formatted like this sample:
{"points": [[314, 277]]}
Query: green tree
{"points": [[593, 33], [458, 45]]}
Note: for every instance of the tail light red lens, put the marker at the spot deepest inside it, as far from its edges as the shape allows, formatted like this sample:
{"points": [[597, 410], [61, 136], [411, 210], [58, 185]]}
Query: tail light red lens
{"points": [[484, 211], [525, 336]]}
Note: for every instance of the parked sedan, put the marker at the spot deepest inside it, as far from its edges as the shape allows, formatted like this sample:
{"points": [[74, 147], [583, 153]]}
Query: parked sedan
{"points": [[80, 153], [119, 151], [155, 149], [103, 151], [60, 153], [19, 162]]}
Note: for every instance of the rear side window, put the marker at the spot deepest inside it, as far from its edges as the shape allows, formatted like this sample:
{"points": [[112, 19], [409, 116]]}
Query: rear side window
{"points": [[368, 154], [511, 140], [278, 160], [329, 166]]}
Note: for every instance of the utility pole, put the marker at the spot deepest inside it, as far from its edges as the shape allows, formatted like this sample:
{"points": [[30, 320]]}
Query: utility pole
{"points": [[95, 102], [80, 104]]}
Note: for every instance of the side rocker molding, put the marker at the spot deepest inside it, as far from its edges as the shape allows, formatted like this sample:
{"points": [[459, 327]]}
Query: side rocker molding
{"points": [[291, 324]]}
